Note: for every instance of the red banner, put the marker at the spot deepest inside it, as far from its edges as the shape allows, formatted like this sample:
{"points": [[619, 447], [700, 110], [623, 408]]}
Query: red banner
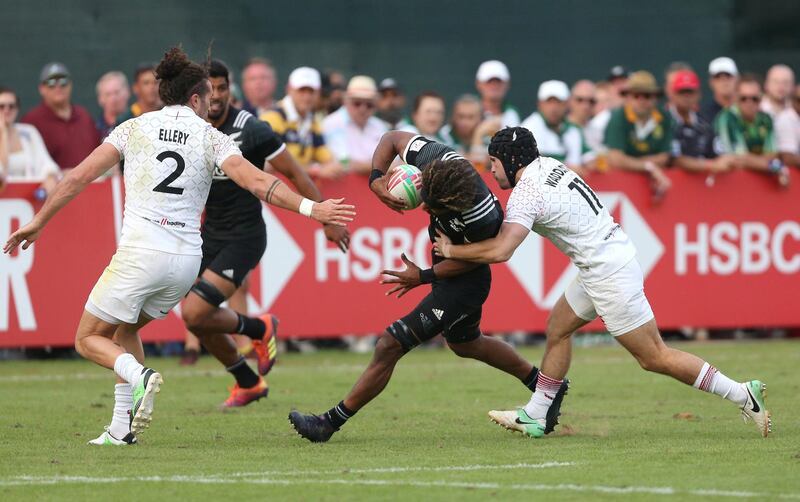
{"points": [[715, 256]]}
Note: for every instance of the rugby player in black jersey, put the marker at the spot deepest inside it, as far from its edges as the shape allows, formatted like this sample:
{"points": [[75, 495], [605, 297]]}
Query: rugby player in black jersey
{"points": [[462, 207], [234, 239]]}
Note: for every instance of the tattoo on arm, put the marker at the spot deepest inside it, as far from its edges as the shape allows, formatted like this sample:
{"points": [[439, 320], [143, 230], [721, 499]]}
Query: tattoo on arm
{"points": [[271, 191]]}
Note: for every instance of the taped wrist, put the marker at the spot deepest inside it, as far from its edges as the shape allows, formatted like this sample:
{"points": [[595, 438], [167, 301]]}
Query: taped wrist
{"points": [[427, 276]]}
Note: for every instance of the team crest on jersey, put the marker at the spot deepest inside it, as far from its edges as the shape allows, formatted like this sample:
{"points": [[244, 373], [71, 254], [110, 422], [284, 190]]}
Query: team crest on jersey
{"points": [[457, 225]]}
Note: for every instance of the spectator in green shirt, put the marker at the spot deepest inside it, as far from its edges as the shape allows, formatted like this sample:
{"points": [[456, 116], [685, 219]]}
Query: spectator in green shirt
{"points": [[746, 132], [639, 135]]}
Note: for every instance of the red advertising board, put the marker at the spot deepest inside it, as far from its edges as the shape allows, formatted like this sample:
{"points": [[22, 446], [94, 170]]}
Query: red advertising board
{"points": [[716, 256]]}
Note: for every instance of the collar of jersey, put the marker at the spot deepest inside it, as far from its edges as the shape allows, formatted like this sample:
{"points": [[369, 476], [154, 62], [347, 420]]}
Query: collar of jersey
{"points": [[631, 117], [179, 110]]}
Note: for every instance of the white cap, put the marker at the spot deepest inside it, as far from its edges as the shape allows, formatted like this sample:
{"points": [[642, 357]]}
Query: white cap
{"points": [[723, 65], [305, 77], [492, 69], [553, 89], [362, 86]]}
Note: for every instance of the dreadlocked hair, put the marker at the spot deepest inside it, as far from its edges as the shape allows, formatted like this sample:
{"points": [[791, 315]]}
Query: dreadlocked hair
{"points": [[449, 184], [180, 78], [515, 147]]}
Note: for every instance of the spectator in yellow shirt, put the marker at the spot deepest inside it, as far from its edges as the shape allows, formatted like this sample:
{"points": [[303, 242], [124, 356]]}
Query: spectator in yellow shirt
{"points": [[294, 120]]}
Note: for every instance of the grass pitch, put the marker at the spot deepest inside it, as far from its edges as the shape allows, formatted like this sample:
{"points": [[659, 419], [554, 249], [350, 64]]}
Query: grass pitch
{"points": [[626, 434]]}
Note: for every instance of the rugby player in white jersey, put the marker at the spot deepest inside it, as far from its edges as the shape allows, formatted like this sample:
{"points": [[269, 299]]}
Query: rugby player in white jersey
{"points": [[557, 204], [170, 156]]}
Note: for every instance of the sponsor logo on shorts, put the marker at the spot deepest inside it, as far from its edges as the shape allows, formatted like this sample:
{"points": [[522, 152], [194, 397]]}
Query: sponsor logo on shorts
{"points": [[438, 313], [228, 272], [427, 325]]}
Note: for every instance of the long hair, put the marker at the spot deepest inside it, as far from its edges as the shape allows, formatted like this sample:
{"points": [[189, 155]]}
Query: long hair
{"points": [[449, 184], [180, 78]]}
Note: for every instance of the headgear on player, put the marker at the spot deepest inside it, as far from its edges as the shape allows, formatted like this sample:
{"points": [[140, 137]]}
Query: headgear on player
{"points": [[515, 147]]}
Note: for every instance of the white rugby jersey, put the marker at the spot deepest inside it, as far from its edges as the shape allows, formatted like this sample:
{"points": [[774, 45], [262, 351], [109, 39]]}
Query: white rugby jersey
{"points": [[557, 204], [170, 156]]}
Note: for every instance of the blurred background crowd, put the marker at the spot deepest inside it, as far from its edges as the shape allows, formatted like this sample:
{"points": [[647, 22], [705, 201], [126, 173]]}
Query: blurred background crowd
{"points": [[628, 120]]}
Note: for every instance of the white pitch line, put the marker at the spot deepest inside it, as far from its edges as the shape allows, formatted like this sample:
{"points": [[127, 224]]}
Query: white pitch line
{"points": [[539, 487]]}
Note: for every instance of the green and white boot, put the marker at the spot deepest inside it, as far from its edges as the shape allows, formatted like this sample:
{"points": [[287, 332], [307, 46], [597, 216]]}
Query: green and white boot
{"points": [[518, 420], [106, 439], [755, 408], [144, 397]]}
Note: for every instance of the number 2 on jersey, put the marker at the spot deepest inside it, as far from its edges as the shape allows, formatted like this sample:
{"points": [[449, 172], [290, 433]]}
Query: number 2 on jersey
{"points": [[181, 165], [587, 193]]}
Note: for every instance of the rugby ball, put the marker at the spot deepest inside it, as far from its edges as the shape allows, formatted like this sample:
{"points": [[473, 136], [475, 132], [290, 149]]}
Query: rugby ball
{"points": [[405, 183]]}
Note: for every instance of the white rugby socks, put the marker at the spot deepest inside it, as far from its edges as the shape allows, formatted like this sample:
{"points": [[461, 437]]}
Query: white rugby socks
{"points": [[123, 402], [546, 389], [712, 380], [128, 369]]}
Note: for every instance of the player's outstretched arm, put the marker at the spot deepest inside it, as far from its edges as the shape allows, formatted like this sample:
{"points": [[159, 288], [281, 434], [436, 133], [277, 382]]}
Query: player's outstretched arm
{"points": [[103, 158], [288, 166], [272, 190], [392, 144], [495, 250]]}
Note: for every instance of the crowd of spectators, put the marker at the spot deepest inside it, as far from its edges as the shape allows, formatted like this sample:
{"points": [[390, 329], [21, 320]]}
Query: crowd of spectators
{"points": [[331, 125]]}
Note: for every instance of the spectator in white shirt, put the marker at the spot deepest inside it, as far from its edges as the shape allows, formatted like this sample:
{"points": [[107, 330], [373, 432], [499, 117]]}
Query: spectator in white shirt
{"points": [[777, 90], [23, 155], [352, 132], [492, 81], [787, 131]]}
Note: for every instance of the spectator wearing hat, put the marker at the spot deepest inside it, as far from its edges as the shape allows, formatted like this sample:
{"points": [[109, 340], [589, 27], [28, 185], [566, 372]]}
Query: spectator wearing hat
{"points": [[492, 81], [259, 82], [68, 130], [693, 146], [746, 132], [145, 88], [669, 75], [556, 136], [639, 135], [787, 131], [618, 78], [23, 155], [112, 96], [352, 132], [581, 103], [427, 116], [777, 90], [391, 104], [723, 75], [294, 120]]}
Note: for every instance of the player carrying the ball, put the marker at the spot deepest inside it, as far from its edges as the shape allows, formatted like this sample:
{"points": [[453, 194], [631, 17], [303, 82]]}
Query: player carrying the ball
{"points": [[556, 203], [462, 207]]}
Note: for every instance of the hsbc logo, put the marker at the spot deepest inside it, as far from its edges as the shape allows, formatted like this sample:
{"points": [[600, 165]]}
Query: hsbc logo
{"points": [[528, 265]]}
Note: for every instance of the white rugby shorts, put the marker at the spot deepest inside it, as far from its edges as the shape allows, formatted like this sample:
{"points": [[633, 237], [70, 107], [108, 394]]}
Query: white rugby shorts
{"points": [[142, 280], [619, 299]]}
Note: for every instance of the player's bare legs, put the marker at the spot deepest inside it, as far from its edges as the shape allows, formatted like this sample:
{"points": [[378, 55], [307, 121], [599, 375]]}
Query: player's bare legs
{"points": [[374, 379], [212, 324], [494, 352], [93, 340], [561, 324], [646, 345]]}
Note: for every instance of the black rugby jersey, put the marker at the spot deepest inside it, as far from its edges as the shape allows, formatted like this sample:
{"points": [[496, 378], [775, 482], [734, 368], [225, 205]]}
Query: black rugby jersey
{"points": [[482, 221], [233, 213]]}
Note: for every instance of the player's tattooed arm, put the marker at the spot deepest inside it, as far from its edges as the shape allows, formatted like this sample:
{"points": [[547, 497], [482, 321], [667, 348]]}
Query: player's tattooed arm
{"points": [[103, 158], [495, 250], [268, 188], [390, 146]]}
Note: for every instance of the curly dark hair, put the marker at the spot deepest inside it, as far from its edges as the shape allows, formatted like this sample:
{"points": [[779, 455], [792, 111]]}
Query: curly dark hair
{"points": [[449, 185], [180, 78]]}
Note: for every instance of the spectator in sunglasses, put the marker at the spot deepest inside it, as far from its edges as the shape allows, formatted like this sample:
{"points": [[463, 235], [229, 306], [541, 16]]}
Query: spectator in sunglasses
{"points": [[787, 131], [746, 132], [639, 134], [67, 129], [352, 132], [581, 103], [23, 156]]}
